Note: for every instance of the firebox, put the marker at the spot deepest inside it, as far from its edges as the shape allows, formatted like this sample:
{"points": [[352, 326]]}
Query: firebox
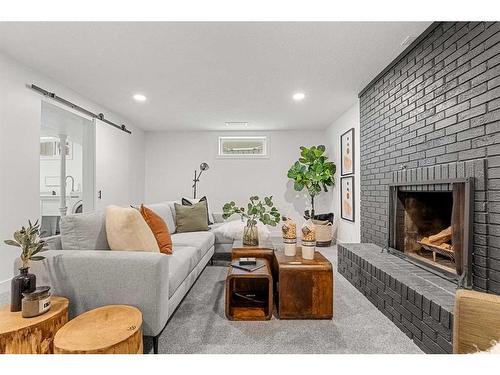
{"points": [[430, 225]]}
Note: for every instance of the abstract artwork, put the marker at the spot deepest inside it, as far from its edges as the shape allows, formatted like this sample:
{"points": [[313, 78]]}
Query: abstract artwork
{"points": [[347, 198], [347, 152]]}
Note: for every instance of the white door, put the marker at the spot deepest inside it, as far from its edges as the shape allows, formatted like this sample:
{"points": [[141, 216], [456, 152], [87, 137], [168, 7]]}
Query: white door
{"points": [[112, 166]]}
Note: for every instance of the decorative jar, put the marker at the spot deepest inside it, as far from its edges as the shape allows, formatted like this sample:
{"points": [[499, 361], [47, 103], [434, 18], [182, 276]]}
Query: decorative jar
{"points": [[308, 240]]}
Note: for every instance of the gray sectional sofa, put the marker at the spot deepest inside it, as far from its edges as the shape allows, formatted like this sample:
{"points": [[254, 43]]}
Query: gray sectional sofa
{"points": [[79, 265]]}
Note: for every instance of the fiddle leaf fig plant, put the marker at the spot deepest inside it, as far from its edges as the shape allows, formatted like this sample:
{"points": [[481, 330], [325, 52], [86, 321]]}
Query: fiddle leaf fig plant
{"points": [[28, 239], [312, 172], [264, 211]]}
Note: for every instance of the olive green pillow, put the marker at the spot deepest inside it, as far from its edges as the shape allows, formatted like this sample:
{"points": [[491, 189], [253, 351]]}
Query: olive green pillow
{"points": [[191, 218]]}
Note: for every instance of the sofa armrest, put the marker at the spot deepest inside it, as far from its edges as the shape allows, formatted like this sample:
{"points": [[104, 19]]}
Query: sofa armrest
{"points": [[476, 321], [93, 278]]}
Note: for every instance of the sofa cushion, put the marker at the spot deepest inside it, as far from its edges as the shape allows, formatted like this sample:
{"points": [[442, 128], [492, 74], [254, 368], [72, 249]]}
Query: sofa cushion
{"points": [[191, 218], [84, 232], [127, 230], [181, 263], [159, 229], [234, 230], [165, 212], [191, 201], [202, 241], [220, 235]]}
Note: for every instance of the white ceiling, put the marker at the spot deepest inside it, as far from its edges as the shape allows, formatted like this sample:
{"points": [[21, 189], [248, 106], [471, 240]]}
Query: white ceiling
{"points": [[200, 75]]}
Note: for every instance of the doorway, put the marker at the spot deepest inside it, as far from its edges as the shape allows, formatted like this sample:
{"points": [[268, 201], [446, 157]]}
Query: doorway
{"points": [[67, 166]]}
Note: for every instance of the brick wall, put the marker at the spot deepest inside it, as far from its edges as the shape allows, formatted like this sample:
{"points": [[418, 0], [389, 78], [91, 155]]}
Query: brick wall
{"points": [[439, 104]]}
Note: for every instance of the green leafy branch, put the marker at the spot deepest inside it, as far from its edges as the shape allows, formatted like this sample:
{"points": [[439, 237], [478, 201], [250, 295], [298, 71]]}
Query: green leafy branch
{"points": [[264, 211], [28, 239]]}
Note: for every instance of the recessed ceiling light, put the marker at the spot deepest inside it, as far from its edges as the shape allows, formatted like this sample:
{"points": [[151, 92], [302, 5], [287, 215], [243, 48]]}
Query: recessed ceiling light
{"points": [[139, 97], [299, 96]]}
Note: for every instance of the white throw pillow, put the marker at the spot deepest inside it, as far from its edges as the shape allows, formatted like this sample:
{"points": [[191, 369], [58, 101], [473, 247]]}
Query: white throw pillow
{"points": [[234, 229], [126, 230]]}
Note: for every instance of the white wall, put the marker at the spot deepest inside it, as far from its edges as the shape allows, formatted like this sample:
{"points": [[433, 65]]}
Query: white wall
{"points": [[171, 158], [346, 231], [20, 112]]}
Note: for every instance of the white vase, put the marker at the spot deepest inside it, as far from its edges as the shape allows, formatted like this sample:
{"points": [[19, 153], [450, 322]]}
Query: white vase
{"points": [[290, 249], [308, 252]]}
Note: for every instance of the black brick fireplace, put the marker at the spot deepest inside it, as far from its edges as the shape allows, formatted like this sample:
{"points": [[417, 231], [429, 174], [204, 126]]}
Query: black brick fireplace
{"points": [[429, 121], [430, 224], [437, 106]]}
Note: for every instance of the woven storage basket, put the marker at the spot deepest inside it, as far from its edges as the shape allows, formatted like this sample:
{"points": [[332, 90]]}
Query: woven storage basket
{"points": [[324, 235]]}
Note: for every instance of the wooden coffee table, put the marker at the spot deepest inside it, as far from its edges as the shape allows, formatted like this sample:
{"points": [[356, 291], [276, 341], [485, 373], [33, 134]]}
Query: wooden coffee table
{"points": [[249, 295], [265, 250], [304, 287]]}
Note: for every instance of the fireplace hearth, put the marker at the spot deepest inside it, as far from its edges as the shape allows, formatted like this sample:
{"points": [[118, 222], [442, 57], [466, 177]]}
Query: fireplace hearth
{"points": [[430, 225]]}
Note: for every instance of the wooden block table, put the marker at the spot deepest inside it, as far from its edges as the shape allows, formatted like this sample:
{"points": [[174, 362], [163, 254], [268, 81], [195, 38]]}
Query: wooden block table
{"points": [[113, 329], [305, 287], [249, 295], [263, 250], [35, 335]]}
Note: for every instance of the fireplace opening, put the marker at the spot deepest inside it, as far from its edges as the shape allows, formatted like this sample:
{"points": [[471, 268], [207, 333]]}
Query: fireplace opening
{"points": [[430, 225], [424, 228]]}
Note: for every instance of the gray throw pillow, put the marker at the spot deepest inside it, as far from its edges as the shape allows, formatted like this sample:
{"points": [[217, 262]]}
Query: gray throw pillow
{"points": [[84, 232], [191, 218]]}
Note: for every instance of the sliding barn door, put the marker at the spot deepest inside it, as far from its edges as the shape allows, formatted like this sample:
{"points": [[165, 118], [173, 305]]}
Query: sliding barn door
{"points": [[112, 166]]}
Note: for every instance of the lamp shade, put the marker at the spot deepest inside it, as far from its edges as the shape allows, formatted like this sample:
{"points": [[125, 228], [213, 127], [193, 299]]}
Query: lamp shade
{"points": [[204, 166]]}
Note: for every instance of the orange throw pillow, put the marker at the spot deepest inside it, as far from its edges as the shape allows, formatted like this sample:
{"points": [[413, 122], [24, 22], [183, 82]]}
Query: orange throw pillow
{"points": [[159, 229]]}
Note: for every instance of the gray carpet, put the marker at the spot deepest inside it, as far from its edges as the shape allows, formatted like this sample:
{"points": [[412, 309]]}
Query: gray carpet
{"points": [[200, 326]]}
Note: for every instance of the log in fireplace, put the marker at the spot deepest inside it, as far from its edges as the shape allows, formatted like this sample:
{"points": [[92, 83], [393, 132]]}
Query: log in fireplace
{"points": [[430, 225]]}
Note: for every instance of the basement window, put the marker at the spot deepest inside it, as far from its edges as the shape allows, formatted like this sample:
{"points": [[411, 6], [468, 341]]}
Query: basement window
{"points": [[243, 147]]}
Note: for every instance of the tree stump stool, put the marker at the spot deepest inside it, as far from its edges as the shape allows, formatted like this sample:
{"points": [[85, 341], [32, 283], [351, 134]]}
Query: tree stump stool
{"points": [[113, 329], [35, 335]]}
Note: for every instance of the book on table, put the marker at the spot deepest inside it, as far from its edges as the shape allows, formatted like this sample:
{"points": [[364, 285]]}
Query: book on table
{"points": [[259, 263]]}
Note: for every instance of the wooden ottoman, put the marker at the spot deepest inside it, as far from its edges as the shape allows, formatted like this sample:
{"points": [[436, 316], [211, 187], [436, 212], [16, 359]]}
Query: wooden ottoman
{"points": [[305, 287], [113, 329], [35, 335], [249, 295]]}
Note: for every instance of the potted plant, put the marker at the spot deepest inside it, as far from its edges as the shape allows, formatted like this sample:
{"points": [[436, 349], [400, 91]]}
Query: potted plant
{"points": [[312, 172], [28, 239], [264, 211]]}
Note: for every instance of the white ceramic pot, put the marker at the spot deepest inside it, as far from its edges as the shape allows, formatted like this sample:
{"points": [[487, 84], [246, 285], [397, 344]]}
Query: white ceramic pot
{"points": [[290, 249], [308, 252]]}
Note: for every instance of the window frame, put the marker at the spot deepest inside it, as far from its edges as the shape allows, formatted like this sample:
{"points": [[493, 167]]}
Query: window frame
{"points": [[265, 148]]}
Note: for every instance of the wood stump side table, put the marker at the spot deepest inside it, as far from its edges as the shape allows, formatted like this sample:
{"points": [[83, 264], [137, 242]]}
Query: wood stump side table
{"points": [[35, 335], [112, 329]]}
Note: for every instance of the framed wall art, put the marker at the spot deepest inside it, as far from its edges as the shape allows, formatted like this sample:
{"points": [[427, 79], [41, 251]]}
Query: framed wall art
{"points": [[347, 153], [347, 198]]}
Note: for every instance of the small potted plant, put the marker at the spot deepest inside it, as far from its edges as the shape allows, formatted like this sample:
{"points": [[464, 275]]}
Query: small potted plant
{"points": [[28, 239], [264, 211]]}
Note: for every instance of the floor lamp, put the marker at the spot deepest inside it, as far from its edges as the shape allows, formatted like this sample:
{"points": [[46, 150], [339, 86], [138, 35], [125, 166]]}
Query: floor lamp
{"points": [[203, 167]]}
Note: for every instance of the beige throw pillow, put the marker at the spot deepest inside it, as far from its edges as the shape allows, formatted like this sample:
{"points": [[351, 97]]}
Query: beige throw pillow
{"points": [[126, 229]]}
